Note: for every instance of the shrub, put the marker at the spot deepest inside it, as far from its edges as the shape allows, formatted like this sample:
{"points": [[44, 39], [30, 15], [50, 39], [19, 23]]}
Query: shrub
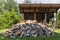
{"points": [[9, 18], [59, 19]]}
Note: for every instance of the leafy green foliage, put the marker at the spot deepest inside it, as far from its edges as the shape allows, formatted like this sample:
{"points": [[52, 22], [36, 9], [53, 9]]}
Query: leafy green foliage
{"points": [[59, 18], [9, 13], [11, 4], [1, 6], [8, 18]]}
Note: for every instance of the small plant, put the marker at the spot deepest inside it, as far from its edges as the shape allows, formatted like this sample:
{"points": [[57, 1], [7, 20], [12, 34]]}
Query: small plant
{"points": [[49, 24]]}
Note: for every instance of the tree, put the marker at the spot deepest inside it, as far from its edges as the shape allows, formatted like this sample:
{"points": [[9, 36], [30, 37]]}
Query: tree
{"points": [[9, 13], [27, 1], [1, 6], [11, 4]]}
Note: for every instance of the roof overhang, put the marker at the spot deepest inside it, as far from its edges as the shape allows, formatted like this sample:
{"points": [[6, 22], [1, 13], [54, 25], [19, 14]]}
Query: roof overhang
{"points": [[43, 7]]}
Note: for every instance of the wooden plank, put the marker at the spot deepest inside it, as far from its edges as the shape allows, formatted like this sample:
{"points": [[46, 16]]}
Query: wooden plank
{"points": [[37, 10], [39, 5]]}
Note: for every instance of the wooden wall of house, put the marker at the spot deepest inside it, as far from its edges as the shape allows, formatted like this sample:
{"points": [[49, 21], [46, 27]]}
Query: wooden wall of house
{"points": [[50, 16], [40, 16], [28, 16]]}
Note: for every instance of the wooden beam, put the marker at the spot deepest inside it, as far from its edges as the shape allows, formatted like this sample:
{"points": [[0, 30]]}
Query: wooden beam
{"points": [[37, 10]]}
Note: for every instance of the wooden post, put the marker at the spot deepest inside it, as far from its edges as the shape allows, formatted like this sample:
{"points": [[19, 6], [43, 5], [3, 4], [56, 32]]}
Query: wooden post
{"points": [[56, 20], [34, 16], [45, 18]]}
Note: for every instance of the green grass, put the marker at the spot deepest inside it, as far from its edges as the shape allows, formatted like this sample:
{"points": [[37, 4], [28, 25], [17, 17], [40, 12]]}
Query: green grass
{"points": [[55, 37]]}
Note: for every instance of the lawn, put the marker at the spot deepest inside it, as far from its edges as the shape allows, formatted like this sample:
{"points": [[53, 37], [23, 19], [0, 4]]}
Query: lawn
{"points": [[55, 37]]}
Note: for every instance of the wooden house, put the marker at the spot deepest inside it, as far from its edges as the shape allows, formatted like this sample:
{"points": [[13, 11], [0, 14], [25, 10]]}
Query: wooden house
{"points": [[39, 12]]}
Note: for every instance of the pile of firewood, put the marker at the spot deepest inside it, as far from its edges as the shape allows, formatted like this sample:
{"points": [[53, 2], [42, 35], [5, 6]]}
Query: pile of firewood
{"points": [[29, 28]]}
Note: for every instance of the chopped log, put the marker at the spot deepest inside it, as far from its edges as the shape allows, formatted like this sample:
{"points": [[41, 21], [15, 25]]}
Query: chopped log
{"points": [[29, 28]]}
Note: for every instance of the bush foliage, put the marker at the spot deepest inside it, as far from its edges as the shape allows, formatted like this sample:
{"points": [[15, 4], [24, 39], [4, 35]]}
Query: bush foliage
{"points": [[9, 18], [59, 18], [9, 13]]}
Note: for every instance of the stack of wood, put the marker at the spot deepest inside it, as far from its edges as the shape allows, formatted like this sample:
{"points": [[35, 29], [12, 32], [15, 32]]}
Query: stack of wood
{"points": [[29, 28]]}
